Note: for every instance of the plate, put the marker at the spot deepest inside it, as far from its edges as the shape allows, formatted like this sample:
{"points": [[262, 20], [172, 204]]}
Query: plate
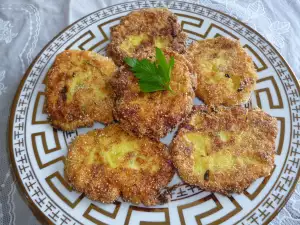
{"points": [[38, 151]]}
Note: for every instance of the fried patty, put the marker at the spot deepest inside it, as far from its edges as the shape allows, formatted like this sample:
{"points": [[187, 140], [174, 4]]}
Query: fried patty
{"points": [[224, 149], [154, 114], [109, 163], [225, 72], [145, 28], [78, 91]]}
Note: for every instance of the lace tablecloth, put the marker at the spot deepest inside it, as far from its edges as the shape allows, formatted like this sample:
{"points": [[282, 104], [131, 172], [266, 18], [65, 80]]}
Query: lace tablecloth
{"points": [[26, 26]]}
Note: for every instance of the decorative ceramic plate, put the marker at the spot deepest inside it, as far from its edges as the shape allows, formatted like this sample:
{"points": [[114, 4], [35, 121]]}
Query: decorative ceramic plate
{"points": [[38, 151]]}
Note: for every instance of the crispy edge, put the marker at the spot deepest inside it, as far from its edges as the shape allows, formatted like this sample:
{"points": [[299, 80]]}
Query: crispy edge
{"points": [[244, 66], [126, 89], [134, 23], [55, 108], [97, 183], [180, 153]]}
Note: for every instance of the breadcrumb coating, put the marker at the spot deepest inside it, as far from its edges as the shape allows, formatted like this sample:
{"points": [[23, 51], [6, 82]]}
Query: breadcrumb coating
{"points": [[157, 113], [78, 91], [143, 29], [109, 163], [225, 72], [225, 149]]}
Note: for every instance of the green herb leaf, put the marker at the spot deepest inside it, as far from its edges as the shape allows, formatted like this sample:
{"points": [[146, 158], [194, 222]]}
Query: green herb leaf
{"points": [[147, 86], [152, 76], [131, 61]]}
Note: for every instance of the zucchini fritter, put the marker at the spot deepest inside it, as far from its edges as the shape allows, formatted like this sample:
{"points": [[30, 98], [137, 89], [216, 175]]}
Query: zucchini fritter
{"points": [[143, 28], [78, 91], [225, 72], [225, 149], [154, 114], [109, 163]]}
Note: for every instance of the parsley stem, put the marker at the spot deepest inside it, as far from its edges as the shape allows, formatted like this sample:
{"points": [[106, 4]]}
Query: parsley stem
{"points": [[168, 87], [152, 76]]}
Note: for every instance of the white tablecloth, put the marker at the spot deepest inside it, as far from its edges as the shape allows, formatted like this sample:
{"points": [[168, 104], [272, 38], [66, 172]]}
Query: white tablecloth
{"points": [[26, 26]]}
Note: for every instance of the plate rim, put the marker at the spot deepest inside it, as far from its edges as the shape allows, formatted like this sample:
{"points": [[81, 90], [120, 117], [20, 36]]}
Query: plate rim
{"points": [[41, 217]]}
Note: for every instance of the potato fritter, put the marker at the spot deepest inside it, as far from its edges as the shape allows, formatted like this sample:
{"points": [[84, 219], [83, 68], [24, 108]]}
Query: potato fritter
{"points": [[154, 114], [109, 163], [78, 92], [225, 72], [225, 149], [144, 28]]}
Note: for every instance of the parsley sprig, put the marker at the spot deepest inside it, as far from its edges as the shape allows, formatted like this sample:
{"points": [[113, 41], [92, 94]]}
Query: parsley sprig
{"points": [[153, 76]]}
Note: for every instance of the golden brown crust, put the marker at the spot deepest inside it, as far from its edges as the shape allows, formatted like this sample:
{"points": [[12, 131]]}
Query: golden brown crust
{"points": [[153, 114], [239, 148], [225, 72], [153, 25], [78, 91], [109, 163]]}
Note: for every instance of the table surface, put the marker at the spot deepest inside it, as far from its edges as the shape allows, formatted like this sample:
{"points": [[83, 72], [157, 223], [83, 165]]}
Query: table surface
{"points": [[26, 26]]}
